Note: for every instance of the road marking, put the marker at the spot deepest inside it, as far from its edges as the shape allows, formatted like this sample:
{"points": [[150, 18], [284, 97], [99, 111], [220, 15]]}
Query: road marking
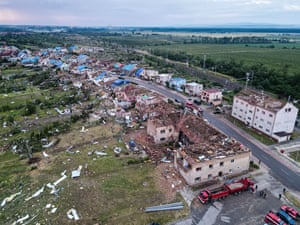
{"points": [[264, 157], [211, 214], [285, 172]]}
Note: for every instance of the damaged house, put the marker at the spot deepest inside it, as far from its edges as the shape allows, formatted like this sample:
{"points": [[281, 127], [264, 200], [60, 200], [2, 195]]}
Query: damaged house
{"points": [[206, 154]]}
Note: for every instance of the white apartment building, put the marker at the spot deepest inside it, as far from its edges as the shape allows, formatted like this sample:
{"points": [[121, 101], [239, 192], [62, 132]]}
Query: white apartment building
{"points": [[268, 115], [193, 89]]}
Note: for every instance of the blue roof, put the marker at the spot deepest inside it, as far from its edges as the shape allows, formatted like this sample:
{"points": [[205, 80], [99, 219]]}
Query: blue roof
{"points": [[82, 56], [81, 67], [139, 71], [117, 65], [119, 82], [101, 75], [178, 79], [30, 60], [128, 67], [72, 48], [55, 62]]}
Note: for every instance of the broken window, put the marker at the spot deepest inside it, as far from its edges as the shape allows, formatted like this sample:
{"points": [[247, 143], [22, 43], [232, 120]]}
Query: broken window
{"points": [[209, 176], [162, 131], [211, 166], [162, 139], [197, 178], [232, 161], [221, 163], [170, 130], [198, 168]]}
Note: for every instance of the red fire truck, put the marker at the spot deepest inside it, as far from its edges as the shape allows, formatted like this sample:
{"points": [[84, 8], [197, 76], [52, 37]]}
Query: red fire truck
{"points": [[228, 188]]}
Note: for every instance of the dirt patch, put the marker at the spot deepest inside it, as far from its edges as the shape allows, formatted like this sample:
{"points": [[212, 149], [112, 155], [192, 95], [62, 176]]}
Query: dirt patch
{"points": [[168, 181]]}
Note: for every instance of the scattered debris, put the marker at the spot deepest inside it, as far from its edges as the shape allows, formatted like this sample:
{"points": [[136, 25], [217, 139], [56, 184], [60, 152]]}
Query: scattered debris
{"points": [[36, 194], [53, 210], [64, 176], [45, 154], [165, 160], [72, 214], [53, 142], [117, 150], [76, 173], [21, 220], [171, 206], [100, 153], [83, 130], [10, 198]]}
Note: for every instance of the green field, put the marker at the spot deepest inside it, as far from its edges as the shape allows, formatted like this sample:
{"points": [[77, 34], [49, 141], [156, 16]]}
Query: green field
{"points": [[281, 56], [110, 190]]}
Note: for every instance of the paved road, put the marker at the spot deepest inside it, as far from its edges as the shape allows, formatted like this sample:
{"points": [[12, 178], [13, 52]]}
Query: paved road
{"points": [[285, 175]]}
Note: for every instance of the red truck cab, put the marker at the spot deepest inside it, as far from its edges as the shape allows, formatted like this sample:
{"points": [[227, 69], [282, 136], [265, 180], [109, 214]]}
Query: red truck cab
{"points": [[272, 218]]}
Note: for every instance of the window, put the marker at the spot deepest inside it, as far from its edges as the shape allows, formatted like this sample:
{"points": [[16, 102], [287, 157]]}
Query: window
{"points": [[267, 130], [211, 166], [270, 115], [260, 126], [237, 101], [241, 110], [221, 163], [198, 168], [262, 120], [162, 131], [269, 122], [162, 139], [249, 118], [209, 176], [250, 111], [197, 178], [170, 130], [263, 112], [232, 161], [230, 170], [234, 113], [257, 110]]}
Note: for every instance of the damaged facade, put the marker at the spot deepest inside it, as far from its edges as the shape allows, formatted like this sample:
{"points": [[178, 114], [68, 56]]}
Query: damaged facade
{"points": [[206, 154]]}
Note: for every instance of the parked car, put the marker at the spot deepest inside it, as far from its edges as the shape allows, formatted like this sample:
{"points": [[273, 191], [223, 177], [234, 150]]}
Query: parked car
{"points": [[291, 211]]}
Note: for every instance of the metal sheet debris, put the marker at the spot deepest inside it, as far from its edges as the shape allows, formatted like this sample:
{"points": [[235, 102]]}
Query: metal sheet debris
{"points": [[10, 198], [100, 153], [21, 220], [76, 173], [45, 154], [171, 206], [72, 214], [36, 194]]}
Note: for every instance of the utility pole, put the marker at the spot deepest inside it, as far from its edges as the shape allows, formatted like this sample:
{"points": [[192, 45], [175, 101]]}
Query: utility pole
{"points": [[204, 62], [247, 80]]}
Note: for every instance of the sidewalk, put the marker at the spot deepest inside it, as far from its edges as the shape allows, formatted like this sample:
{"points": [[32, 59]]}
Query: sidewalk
{"points": [[288, 162]]}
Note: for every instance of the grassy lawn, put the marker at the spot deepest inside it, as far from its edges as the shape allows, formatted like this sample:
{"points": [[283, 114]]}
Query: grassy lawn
{"points": [[295, 155], [109, 190], [257, 135]]}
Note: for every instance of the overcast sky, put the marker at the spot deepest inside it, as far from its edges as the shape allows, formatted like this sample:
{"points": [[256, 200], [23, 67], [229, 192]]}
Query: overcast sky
{"points": [[149, 12]]}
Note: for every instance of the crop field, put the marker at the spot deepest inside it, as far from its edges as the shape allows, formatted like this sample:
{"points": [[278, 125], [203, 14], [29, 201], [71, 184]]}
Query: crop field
{"points": [[279, 57]]}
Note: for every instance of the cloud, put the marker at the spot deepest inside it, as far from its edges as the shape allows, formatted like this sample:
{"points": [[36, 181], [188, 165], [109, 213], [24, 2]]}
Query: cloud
{"points": [[291, 7], [260, 2], [10, 16]]}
